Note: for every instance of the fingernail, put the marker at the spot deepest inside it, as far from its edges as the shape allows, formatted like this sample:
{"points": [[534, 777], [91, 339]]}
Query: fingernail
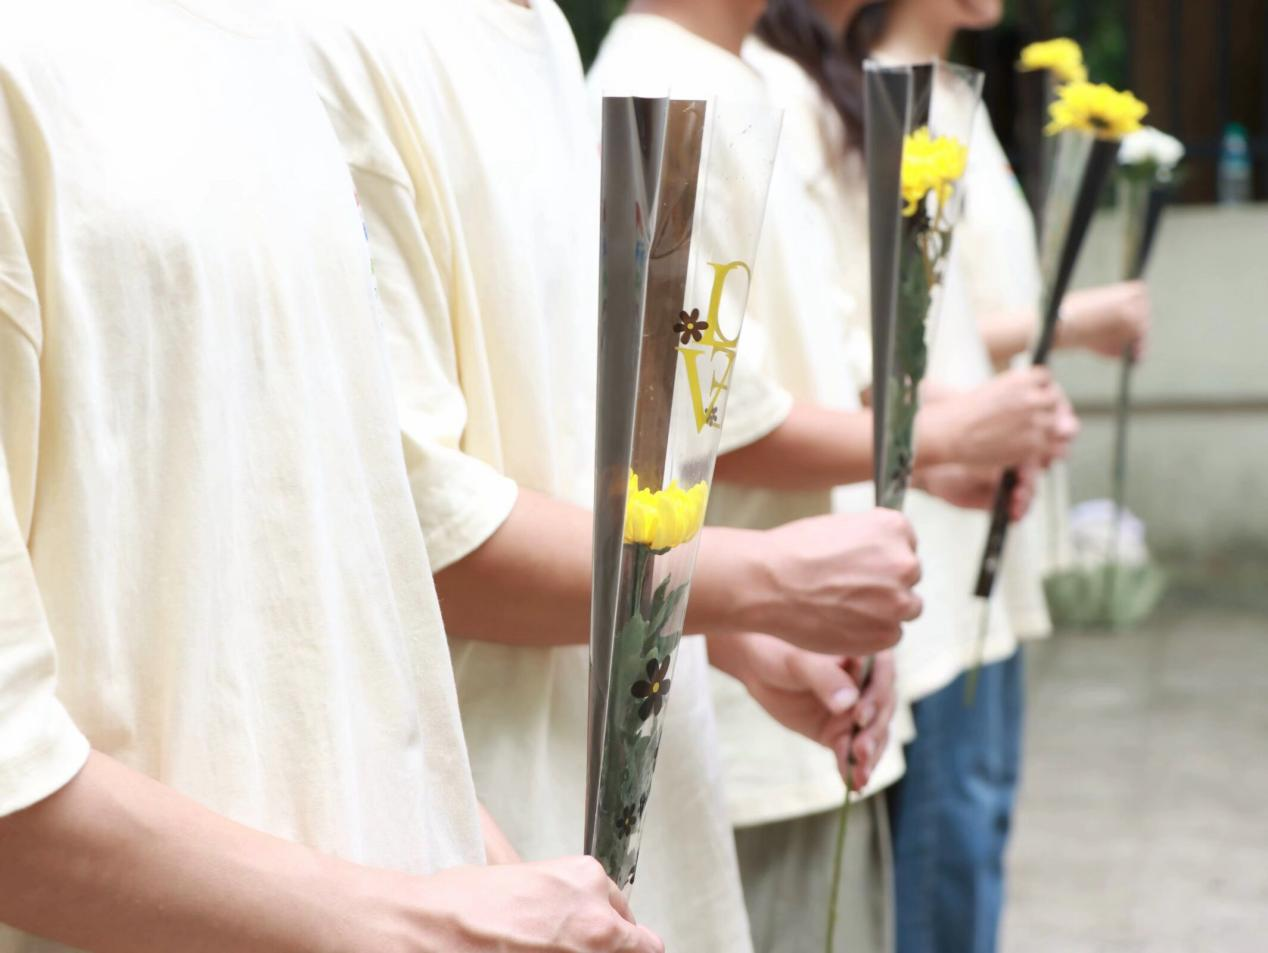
{"points": [[843, 699]]}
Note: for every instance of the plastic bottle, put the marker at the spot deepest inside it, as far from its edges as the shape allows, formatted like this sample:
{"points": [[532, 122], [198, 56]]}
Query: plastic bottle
{"points": [[1233, 180]]}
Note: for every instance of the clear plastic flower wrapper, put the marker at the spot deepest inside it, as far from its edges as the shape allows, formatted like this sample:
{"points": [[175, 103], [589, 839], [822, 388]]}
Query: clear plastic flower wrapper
{"points": [[1088, 121], [1120, 585], [684, 189], [918, 128], [1044, 67]]}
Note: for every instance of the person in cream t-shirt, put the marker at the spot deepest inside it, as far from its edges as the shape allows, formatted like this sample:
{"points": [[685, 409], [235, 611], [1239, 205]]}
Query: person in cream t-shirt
{"points": [[210, 573], [227, 711]]}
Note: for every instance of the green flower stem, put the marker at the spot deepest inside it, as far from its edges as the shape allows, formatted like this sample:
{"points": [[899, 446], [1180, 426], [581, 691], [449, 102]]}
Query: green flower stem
{"points": [[838, 863], [979, 657], [1121, 417], [843, 824], [642, 556]]}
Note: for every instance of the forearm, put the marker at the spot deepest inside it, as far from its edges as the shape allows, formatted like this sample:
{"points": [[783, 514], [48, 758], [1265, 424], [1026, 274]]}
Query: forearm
{"points": [[528, 583], [115, 861], [497, 846], [1007, 334], [732, 654], [816, 448]]}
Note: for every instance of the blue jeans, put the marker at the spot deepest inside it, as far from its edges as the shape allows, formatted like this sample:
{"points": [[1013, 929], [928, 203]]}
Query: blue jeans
{"points": [[951, 813]]}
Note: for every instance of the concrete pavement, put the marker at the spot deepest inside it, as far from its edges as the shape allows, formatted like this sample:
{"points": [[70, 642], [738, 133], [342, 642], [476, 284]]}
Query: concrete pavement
{"points": [[1143, 824]]}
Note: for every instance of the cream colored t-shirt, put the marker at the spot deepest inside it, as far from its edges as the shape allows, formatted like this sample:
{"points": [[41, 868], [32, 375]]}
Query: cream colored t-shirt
{"points": [[210, 568], [1000, 263], [468, 132]]}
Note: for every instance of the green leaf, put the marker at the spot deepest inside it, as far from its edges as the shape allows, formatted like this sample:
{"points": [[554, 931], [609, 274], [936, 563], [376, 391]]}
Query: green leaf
{"points": [[663, 612]]}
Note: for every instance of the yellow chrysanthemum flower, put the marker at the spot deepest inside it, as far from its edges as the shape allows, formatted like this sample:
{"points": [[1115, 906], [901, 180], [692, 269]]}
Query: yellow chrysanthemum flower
{"points": [[930, 164], [663, 519], [1062, 56], [1096, 108]]}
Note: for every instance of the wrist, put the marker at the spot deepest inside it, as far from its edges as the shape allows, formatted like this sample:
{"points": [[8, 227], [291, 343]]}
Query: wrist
{"points": [[731, 654], [754, 590], [1068, 334], [353, 902], [937, 436]]}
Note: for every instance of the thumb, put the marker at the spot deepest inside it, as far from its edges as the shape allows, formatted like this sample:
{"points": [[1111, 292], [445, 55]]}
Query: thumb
{"points": [[825, 678]]}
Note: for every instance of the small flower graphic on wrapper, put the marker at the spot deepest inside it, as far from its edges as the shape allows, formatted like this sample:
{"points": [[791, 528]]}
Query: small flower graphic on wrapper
{"points": [[663, 519], [1062, 57], [626, 821], [653, 690], [1096, 108], [711, 417], [931, 164], [689, 327]]}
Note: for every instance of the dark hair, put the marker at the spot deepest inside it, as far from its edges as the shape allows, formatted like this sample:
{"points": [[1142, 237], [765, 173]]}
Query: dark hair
{"points": [[835, 63]]}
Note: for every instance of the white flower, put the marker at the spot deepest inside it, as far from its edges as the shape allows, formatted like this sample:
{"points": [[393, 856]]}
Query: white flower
{"points": [[1149, 146]]}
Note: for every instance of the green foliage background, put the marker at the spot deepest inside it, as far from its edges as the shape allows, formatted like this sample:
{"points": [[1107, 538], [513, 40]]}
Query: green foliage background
{"points": [[590, 19]]}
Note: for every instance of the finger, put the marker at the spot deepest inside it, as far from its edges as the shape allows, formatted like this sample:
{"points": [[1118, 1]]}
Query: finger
{"points": [[909, 532], [852, 772], [643, 940], [913, 606], [826, 680], [853, 666], [619, 903], [868, 746], [862, 774], [909, 571], [1040, 374]]}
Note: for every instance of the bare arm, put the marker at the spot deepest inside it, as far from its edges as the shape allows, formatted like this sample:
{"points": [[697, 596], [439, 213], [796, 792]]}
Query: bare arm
{"points": [[814, 448], [839, 582], [818, 448], [1004, 422], [1007, 334], [115, 862], [497, 846], [1103, 320], [529, 583]]}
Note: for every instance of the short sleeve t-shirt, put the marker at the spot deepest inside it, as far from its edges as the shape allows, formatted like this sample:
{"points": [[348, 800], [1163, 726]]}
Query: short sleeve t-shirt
{"points": [[210, 567], [477, 161]]}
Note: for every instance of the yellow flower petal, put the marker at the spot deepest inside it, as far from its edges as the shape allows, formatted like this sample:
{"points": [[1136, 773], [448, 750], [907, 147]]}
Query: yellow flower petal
{"points": [[930, 165], [663, 519], [1062, 56], [1096, 108]]}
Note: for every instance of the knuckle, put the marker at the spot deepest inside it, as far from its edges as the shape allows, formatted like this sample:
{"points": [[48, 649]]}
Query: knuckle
{"points": [[915, 607], [591, 872], [892, 637], [601, 934], [909, 570]]}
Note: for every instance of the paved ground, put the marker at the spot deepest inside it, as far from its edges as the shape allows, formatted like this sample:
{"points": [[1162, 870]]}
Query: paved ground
{"points": [[1143, 826]]}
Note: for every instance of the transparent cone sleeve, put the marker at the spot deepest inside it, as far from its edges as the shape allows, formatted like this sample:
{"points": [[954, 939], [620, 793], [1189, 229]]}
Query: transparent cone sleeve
{"points": [[684, 190]]}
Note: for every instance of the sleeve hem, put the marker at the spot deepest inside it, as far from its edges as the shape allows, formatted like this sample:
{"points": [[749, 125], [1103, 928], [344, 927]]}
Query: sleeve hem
{"points": [[759, 422], [45, 768], [466, 529]]}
